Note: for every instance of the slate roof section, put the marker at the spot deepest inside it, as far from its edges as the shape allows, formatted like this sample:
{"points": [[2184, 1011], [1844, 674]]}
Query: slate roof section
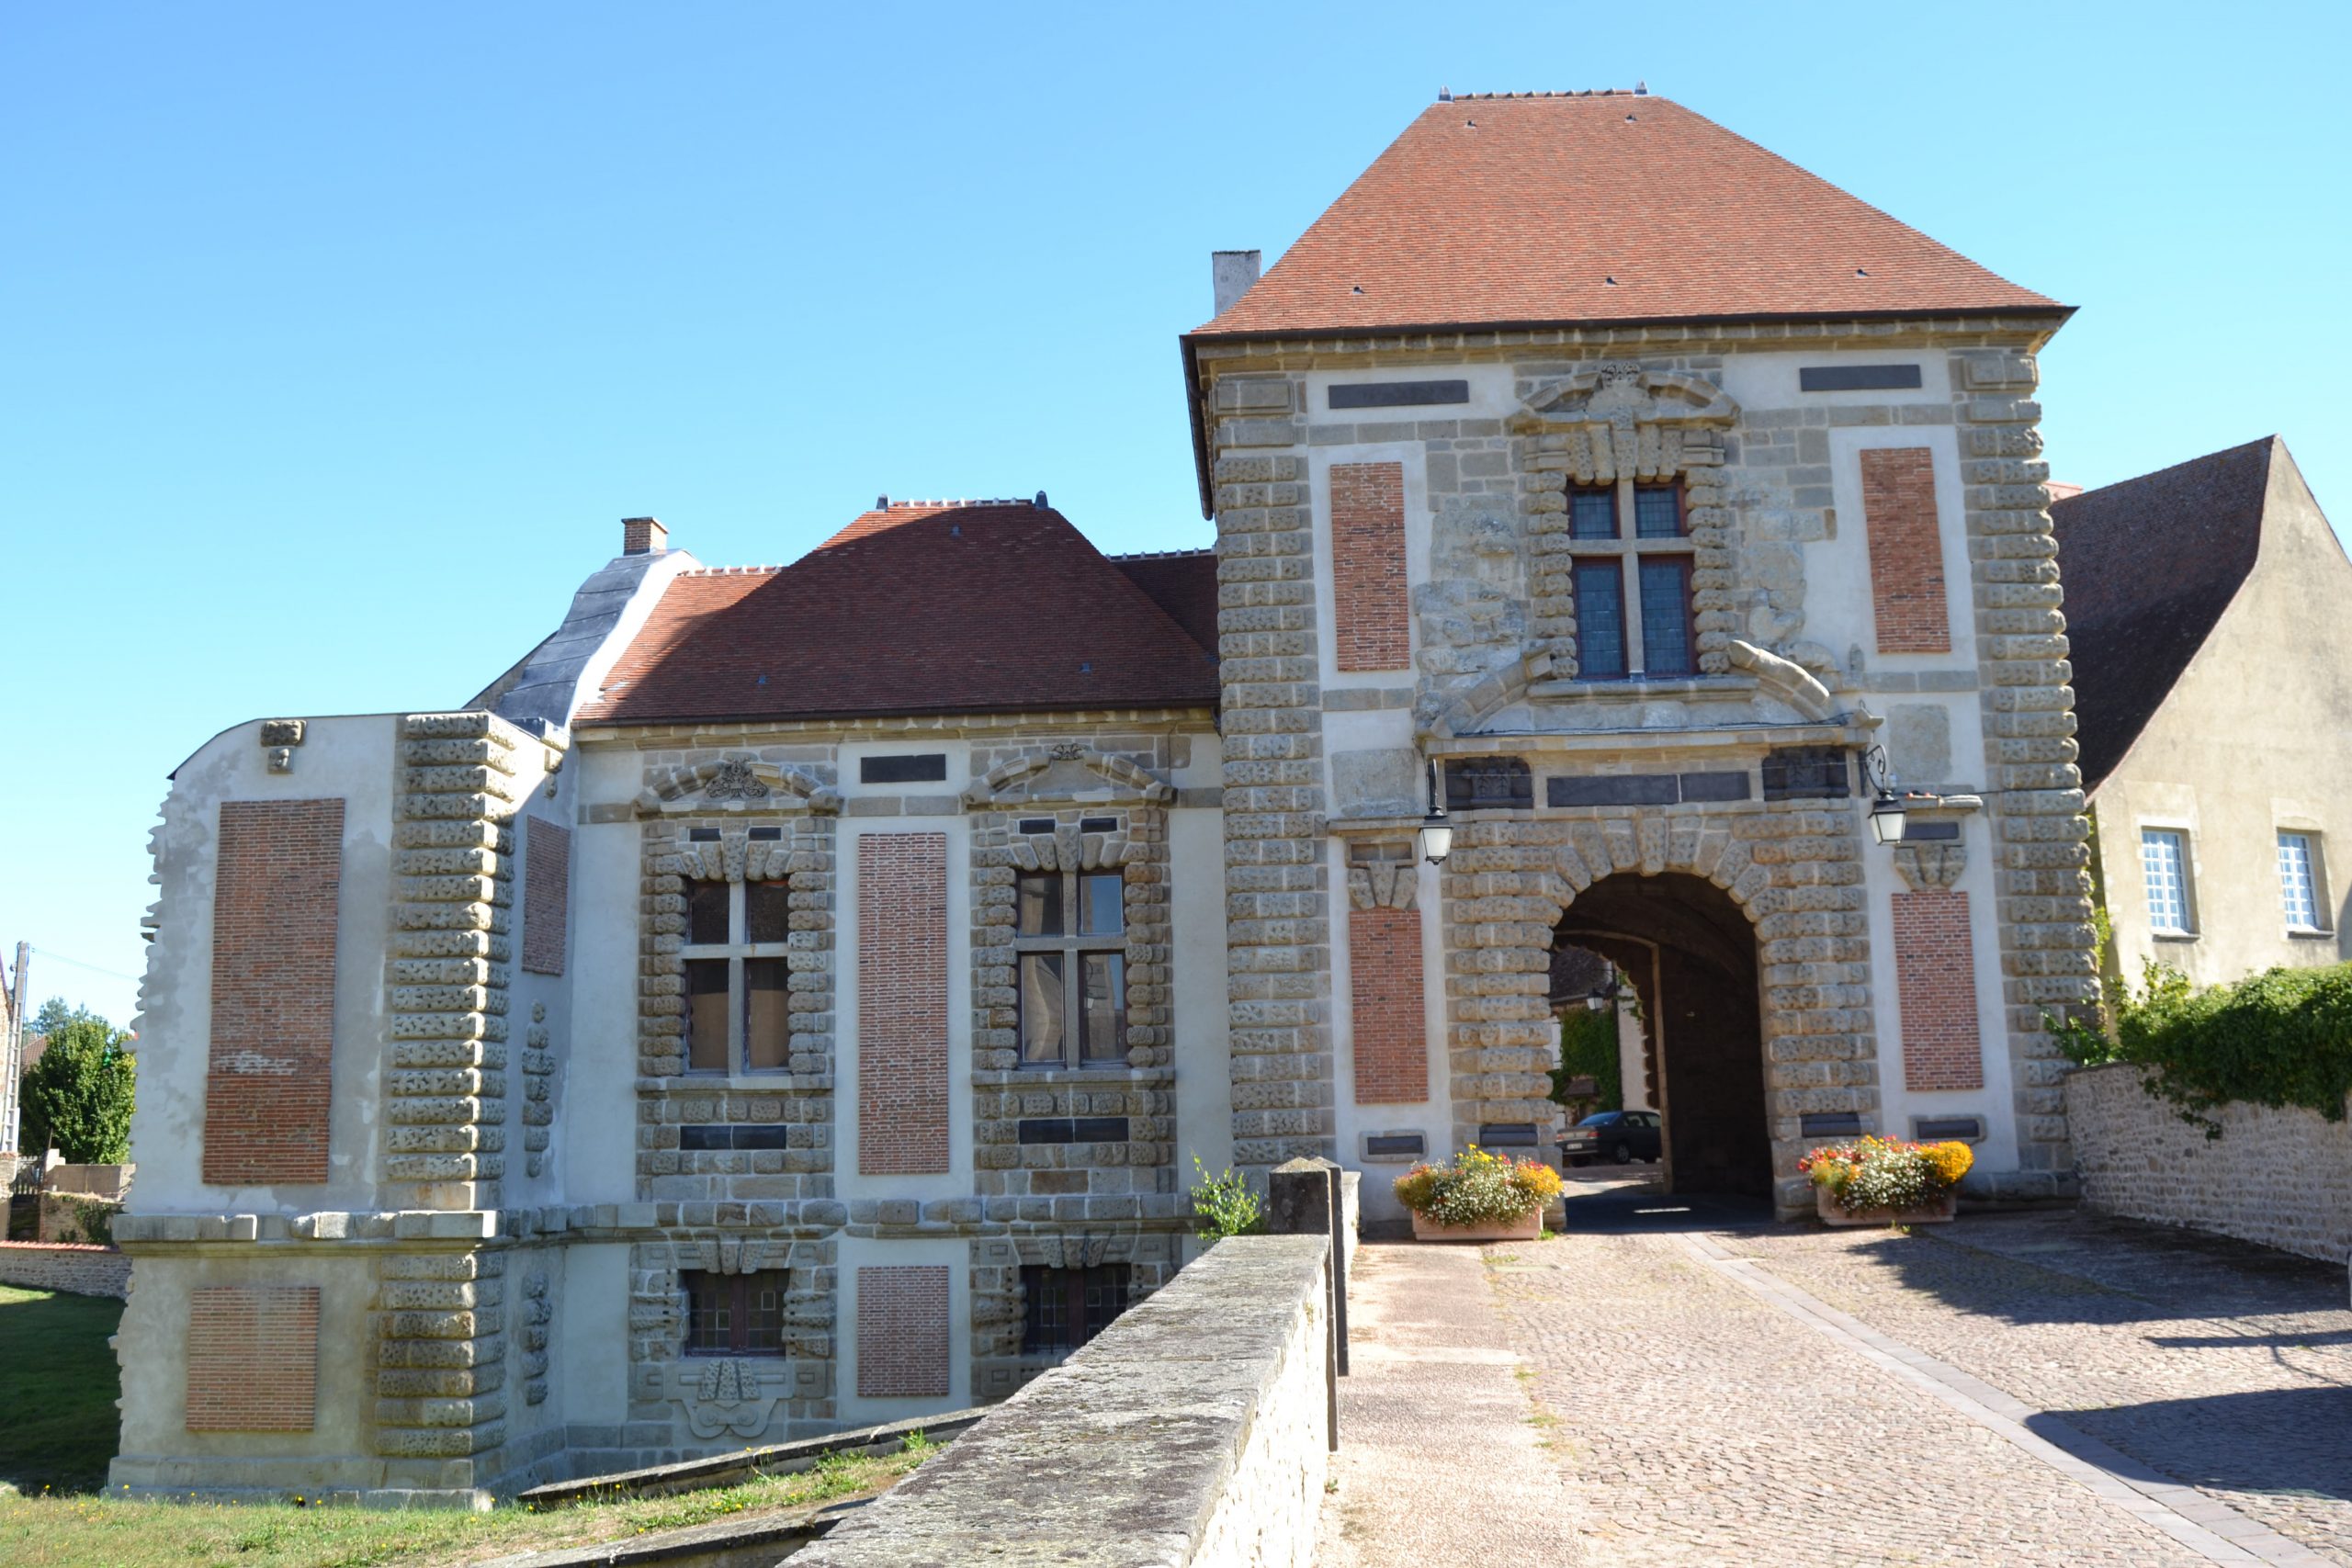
{"points": [[1521, 210], [2149, 564], [930, 607], [1184, 583]]}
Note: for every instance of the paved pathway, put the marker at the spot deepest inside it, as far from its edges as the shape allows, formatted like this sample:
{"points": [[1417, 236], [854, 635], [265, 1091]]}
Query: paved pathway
{"points": [[2045, 1389]]}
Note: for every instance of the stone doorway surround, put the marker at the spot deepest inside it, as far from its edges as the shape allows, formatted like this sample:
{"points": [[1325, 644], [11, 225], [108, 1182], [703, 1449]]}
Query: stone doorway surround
{"points": [[1794, 867]]}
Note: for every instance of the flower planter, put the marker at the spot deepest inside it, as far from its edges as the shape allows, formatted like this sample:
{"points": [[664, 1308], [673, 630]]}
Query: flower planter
{"points": [[1529, 1228], [1931, 1213]]}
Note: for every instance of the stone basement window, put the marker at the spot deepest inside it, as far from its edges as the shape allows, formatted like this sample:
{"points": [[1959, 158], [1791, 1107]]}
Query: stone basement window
{"points": [[738, 1013], [1063, 1308], [1070, 941], [1630, 544], [733, 1315]]}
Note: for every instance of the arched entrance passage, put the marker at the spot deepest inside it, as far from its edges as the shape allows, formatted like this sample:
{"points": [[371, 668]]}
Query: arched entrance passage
{"points": [[1690, 953]]}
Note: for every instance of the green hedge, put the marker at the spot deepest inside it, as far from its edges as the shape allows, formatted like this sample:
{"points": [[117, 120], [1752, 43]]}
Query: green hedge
{"points": [[2280, 1038], [1589, 1049]]}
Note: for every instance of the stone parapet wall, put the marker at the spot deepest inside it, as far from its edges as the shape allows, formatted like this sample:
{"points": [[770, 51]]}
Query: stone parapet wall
{"points": [[1199, 1423], [78, 1271], [2282, 1178]]}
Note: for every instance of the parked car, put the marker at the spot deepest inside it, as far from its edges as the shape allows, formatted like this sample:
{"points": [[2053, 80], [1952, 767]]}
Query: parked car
{"points": [[1623, 1136]]}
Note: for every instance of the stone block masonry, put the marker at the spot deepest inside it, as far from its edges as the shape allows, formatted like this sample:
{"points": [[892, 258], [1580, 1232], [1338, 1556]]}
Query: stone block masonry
{"points": [[2279, 1177], [902, 1331], [1906, 550], [253, 1358], [265, 1098], [1935, 969], [1368, 588], [902, 1003]]}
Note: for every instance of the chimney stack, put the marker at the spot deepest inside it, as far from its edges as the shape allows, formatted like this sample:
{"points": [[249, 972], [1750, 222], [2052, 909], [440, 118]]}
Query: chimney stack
{"points": [[644, 536], [1231, 273]]}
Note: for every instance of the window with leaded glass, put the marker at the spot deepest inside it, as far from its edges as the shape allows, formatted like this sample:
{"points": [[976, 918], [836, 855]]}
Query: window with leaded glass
{"points": [[737, 990], [1069, 943], [1063, 1308], [1631, 576], [733, 1315]]}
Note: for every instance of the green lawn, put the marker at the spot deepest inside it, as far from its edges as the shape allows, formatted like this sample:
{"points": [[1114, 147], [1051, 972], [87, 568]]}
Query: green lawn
{"points": [[58, 1385]]}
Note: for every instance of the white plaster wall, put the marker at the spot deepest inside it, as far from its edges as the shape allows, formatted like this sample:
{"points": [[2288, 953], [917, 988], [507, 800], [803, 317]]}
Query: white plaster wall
{"points": [[956, 1181], [1839, 610], [550, 796], [1409, 456], [350, 759], [1203, 1056], [1768, 380], [596, 1126], [589, 1365], [868, 1252]]}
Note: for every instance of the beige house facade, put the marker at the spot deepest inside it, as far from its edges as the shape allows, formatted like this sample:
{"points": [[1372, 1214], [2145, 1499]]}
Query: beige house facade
{"points": [[2220, 824], [790, 997]]}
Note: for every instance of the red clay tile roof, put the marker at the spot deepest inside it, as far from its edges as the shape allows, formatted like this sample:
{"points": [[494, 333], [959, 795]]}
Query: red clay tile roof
{"points": [[2148, 566], [1521, 210], [919, 608], [1184, 583]]}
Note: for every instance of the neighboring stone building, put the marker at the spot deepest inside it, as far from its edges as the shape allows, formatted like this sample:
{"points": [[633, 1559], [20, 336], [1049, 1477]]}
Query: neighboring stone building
{"points": [[2206, 604], [797, 996]]}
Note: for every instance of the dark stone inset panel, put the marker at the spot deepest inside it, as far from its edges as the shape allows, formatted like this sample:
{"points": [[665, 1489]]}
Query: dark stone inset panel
{"points": [[1715, 786], [1037, 825], [1807, 773], [1618, 789], [1944, 832], [1474, 783], [1938, 1129], [707, 1135], [1394, 1145], [913, 767], [1400, 394], [1507, 1135], [1858, 378], [1071, 1130], [1829, 1125], [1098, 824]]}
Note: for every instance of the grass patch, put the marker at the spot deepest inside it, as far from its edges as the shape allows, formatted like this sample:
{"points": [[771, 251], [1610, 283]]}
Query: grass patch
{"points": [[70, 1531], [57, 1384]]}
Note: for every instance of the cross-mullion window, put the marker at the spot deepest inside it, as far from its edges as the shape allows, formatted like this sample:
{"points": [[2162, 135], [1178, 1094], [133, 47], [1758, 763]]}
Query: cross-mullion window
{"points": [[738, 980], [1070, 941], [733, 1315], [1646, 568]]}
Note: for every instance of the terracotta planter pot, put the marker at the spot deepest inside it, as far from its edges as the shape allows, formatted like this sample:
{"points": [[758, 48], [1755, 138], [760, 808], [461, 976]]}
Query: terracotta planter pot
{"points": [[1531, 1228], [1932, 1213]]}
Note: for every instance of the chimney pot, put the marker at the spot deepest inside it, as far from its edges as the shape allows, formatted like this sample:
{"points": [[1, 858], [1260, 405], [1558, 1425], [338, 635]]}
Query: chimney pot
{"points": [[1230, 274], [644, 536]]}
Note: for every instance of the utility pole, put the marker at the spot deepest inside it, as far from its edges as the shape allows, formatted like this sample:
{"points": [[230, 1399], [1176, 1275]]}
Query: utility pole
{"points": [[11, 1091]]}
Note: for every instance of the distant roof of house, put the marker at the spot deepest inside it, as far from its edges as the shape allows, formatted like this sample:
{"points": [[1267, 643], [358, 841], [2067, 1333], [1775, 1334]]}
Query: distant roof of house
{"points": [[1598, 207], [2148, 566], [917, 607]]}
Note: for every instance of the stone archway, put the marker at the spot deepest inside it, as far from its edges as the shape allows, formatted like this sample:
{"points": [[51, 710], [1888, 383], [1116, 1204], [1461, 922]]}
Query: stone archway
{"points": [[1690, 953], [1792, 868]]}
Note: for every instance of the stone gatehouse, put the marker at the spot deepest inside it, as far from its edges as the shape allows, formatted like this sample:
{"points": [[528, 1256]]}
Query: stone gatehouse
{"points": [[793, 997]]}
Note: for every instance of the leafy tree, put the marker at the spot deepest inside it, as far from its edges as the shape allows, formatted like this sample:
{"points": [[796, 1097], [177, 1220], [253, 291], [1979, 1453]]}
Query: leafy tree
{"points": [[1588, 1050], [77, 1097], [56, 1015]]}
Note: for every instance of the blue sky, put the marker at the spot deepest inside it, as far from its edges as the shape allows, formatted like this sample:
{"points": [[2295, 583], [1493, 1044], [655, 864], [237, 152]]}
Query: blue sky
{"points": [[339, 338]]}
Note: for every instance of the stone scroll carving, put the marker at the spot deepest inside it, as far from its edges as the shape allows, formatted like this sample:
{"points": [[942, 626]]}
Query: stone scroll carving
{"points": [[736, 783]]}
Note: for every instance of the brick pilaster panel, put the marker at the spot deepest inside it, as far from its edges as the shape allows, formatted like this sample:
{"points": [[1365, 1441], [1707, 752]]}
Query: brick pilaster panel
{"points": [[253, 1358], [1368, 566], [547, 894], [1391, 1030], [1935, 974], [901, 1004], [279, 870], [902, 1331], [1906, 550]]}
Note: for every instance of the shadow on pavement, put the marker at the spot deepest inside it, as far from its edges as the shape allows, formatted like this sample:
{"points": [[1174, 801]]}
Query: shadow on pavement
{"points": [[1625, 1208]]}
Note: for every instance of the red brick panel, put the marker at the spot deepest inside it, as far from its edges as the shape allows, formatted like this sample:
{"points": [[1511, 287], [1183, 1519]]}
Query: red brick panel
{"points": [[1391, 1033], [902, 1332], [1935, 974], [1907, 550], [901, 1004], [1368, 565], [547, 893], [253, 1358], [279, 867]]}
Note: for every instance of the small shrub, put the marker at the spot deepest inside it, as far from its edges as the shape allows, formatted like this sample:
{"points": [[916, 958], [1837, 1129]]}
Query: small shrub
{"points": [[1477, 1189], [1223, 1205]]}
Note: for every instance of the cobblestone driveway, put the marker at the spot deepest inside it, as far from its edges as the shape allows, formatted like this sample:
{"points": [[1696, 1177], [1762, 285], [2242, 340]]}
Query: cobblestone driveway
{"points": [[1700, 1424]]}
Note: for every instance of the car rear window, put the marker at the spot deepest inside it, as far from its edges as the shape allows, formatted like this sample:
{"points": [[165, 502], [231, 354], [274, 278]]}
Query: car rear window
{"points": [[1600, 1119]]}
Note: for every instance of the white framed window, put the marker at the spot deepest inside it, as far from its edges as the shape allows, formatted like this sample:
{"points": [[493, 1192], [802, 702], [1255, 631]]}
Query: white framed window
{"points": [[2163, 865], [2299, 881], [737, 991]]}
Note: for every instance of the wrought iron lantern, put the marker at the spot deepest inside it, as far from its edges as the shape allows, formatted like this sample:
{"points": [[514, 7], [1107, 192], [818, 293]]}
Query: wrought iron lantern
{"points": [[1437, 833], [1887, 815]]}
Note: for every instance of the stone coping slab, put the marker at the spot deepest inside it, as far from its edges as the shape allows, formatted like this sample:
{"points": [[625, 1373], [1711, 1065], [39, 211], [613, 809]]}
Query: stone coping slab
{"points": [[770, 1458], [1120, 1456]]}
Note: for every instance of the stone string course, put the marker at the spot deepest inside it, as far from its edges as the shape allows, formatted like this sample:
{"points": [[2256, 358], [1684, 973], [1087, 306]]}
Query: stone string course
{"points": [[2281, 1177]]}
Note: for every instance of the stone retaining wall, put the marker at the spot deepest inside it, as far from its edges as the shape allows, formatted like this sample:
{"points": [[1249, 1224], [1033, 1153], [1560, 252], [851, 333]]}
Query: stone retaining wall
{"points": [[2279, 1177], [83, 1271], [1199, 1422]]}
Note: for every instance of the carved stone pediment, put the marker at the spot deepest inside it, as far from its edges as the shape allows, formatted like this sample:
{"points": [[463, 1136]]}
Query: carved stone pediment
{"points": [[737, 783], [1068, 770], [1618, 421]]}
